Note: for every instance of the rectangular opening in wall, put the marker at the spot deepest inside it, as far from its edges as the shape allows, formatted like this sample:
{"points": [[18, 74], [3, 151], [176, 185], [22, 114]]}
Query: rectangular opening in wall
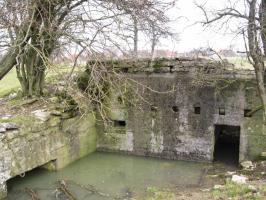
{"points": [[14, 184], [221, 111], [197, 110], [124, 70], [119, 123], [227, 141], [175, 109], [247, 113]]}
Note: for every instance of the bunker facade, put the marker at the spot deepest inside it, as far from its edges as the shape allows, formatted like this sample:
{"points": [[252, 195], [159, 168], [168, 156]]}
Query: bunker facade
{"points": [[196, 110]]}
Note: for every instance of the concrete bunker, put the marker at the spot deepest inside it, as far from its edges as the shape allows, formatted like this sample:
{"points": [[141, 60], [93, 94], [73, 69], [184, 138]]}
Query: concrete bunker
{"points": [[182, 115], [227, 144]]}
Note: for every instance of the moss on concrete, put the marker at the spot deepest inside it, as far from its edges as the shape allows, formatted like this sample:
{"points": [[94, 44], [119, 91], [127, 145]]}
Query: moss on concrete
{"points": [[23, 120], [53, 144], [256, 140], [3, 191]]}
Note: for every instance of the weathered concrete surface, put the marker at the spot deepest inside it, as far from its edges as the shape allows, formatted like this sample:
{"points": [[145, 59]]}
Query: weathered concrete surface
{"points": [[165, 124], [52, 144]]}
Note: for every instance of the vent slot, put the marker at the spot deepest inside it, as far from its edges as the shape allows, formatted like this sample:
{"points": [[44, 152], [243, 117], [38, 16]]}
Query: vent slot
{"points": [[118, 123], [175, 109], [247, 113], [221, 111], [197, 110]]}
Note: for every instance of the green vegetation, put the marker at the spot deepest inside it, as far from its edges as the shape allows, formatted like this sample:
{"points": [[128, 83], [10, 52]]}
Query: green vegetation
{"points": [[159, 194], [9, 83], [241, 63], [83, 79], [263, 189], [158, 63], [21, 120], [236, 192]]}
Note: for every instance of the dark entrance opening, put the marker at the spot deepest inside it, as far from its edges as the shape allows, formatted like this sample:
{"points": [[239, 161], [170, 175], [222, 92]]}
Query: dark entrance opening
{"points": [[227, 140]]}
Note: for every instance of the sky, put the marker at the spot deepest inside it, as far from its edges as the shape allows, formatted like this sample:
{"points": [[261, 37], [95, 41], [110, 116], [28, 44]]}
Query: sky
{"points": [[193, 35]]}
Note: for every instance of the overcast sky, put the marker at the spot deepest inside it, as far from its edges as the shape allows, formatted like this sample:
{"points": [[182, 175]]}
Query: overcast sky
{"points": [[193, 35]]}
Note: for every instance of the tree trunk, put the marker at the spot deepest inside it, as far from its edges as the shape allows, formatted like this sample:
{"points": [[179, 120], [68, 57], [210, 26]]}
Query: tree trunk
{"points": [[8, 61], [256, 53], [34, 43], [262, 90], [263, 23], [153, 42], [136, 37], [31, 73]]}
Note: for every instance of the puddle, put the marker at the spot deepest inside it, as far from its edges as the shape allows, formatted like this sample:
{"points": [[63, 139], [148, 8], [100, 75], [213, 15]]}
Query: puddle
{"points": [[103, 176]]}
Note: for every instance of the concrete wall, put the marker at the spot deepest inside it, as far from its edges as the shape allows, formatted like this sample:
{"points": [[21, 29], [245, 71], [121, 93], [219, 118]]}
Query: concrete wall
{"points": [[52, 144], [153, 128]]}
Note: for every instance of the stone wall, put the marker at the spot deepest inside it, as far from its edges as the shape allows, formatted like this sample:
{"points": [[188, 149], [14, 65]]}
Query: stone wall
{"points": [[52, 144], [181, 124]]}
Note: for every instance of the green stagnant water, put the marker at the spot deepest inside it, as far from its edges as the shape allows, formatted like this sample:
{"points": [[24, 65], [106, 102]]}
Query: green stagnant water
{"points": [[103, 176]]}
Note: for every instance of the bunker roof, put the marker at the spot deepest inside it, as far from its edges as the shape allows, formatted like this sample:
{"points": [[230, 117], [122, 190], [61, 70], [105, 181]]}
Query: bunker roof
{"points": [[174, 65]]}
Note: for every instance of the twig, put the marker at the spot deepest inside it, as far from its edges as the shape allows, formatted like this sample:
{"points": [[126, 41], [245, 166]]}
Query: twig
{"points": [[32, 194], [62, 188]]}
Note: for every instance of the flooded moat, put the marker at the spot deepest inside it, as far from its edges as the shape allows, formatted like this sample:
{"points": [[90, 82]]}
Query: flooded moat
{"points": [[107, 176]]}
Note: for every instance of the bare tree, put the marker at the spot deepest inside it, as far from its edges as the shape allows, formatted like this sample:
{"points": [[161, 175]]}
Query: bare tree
{"points": [[157, 31], [156, 24], [150, 18], [33, 29], [136, 36], [253, 29]]}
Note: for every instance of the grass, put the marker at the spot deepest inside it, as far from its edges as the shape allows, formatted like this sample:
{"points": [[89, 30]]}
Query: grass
{"points": [[263, 189], [154, 193], [236, 192], [240, 63], [9, 83]]}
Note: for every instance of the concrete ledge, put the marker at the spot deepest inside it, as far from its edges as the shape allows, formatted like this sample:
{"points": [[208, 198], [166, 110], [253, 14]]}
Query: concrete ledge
{"points": [[53, 146]]}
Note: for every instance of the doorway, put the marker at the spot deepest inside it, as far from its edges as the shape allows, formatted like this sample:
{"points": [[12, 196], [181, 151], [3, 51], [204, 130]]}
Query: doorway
{"points": [[227, 141]]}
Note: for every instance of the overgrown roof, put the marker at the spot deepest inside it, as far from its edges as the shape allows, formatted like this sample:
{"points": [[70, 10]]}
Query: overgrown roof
{"points": [[167, 65]]}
